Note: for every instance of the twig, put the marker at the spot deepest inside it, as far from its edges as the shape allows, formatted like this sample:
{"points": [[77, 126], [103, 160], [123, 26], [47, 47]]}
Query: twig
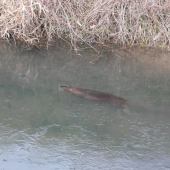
{"points": [[78, 159]]}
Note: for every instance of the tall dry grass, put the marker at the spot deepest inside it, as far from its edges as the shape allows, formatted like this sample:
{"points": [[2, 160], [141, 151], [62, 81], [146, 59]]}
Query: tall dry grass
{"points": [[123, 22]]}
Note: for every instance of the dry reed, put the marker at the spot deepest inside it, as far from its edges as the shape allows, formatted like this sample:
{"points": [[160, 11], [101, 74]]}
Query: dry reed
{"points": [[123, 22]]}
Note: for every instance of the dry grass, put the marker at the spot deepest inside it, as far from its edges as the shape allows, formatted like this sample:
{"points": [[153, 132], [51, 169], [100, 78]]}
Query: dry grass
{"points": [[124, 22]]}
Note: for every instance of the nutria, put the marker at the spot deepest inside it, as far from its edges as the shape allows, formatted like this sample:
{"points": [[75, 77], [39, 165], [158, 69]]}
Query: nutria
{"points": [[95, 95]]}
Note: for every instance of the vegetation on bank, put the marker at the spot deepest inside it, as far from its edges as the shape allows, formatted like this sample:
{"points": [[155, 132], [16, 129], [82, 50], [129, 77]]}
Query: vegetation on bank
{"points": [[123, 22]]}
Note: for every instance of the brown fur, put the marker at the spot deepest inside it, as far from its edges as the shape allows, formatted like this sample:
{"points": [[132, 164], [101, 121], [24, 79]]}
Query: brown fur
{"points": [[95, 95]]}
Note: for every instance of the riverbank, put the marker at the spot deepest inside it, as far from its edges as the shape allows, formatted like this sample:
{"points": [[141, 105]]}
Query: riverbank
{"points": [[124, 23]]}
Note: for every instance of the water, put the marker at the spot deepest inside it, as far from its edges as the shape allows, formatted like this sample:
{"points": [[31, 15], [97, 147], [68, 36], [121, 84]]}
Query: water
{"points": [[42, 127]]}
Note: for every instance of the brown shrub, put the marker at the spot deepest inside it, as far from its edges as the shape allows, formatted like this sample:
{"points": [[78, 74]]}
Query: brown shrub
{"points": [[126, 22]]}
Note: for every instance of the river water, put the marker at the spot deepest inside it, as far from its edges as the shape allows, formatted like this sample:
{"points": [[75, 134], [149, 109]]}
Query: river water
{"points": [[42, 127]]}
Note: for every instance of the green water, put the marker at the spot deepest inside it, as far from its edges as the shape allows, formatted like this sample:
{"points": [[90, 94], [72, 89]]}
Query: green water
{"points": [[42, 127]]}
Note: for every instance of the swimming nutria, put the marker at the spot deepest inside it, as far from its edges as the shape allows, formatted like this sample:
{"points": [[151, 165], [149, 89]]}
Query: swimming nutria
{"points": [[95, 95]]}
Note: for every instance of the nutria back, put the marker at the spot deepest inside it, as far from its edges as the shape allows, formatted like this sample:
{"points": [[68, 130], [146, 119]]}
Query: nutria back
{"points": [[96, 95]]}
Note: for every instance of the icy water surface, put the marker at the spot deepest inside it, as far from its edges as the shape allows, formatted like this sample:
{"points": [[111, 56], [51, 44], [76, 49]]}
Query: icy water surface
{"points": [[42, 127]]}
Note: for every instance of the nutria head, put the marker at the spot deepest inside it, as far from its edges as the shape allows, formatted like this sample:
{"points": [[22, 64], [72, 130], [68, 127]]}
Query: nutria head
{"points": [[73, 90], [63, 87]]}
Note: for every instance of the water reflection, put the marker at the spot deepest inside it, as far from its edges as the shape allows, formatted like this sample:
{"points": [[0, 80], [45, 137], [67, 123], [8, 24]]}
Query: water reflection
{"points": [[43, 127]]}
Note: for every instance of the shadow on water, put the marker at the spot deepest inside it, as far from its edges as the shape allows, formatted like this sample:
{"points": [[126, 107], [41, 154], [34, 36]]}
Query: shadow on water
{"points": [[43, 127]]}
